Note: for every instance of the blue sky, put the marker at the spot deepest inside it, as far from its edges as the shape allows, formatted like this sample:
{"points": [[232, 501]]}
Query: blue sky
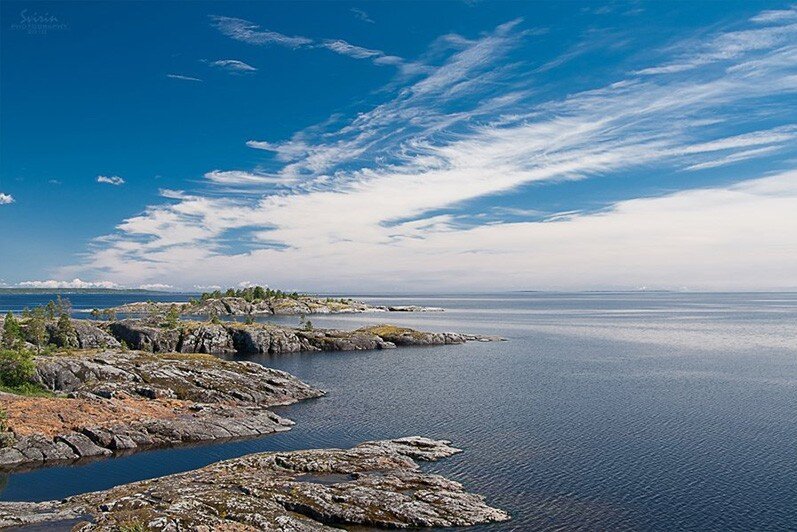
{"points": [[399, 146]]}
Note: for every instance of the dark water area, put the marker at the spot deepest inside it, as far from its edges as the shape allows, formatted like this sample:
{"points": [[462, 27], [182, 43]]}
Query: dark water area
{"points": [[602, 411]]}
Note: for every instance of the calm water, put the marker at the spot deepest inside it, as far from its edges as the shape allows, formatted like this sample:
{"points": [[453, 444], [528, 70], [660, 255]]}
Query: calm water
{"points": [[603, 411]]}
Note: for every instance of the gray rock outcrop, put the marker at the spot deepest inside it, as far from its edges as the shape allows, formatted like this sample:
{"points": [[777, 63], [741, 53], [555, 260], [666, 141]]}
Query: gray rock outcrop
{"points": [[375, 484]]}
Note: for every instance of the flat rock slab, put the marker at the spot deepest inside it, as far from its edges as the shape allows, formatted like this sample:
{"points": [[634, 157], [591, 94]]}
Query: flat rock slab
{"points": [[375, 484]]}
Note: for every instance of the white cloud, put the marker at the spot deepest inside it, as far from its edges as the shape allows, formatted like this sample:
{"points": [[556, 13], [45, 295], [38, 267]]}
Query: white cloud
{"points": [[240, 177], [776, 15], [182, 77], [6, 199], [248, 32], [361, 15], [727, 46], [233, 65], [112, 180], [342, 47], [365, 194], [262, 145], [74, 283], [156, 286], [207, 288], [736, 157]]}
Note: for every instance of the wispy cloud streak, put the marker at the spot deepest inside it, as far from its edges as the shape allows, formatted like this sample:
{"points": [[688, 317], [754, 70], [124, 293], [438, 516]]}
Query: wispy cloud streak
{"points": [[250, 33], [233, 65], [182, 77]]}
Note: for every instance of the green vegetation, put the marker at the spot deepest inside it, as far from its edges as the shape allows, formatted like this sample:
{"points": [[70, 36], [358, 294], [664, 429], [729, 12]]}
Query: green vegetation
{"points": [[16, 367], [36, 328], [65, 332], [16, 373], [251, 294], [305, 324], [172, 318], [12, 332]]}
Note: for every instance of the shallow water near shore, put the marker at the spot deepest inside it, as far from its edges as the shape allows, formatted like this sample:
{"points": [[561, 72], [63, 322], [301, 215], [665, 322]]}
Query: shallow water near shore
{"points": [[622, 411]]}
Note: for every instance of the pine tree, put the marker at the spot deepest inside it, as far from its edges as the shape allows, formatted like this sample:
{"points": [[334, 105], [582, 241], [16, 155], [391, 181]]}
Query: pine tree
{"points": [[12, 332], [49, 310], [172, 318], [259, 293], [36, 329], [66, 331]]}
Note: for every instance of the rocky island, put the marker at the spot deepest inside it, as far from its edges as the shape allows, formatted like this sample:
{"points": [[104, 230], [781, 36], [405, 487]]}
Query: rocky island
{"points": [[375, 484], [259, 301]]}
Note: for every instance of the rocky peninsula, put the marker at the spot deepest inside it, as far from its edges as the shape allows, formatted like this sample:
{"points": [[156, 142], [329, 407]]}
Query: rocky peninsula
{"points": [[375, 484], [132, 384]]}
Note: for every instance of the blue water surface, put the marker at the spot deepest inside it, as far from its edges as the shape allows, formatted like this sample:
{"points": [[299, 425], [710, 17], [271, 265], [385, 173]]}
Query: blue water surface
{"points": [[602, 411]]}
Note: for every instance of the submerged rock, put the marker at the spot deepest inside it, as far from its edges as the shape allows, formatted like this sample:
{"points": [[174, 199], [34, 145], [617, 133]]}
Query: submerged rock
{"points": [[375, 484]]}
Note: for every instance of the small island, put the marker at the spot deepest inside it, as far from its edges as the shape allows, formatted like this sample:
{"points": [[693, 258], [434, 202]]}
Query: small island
{"points": [[258, 301]]}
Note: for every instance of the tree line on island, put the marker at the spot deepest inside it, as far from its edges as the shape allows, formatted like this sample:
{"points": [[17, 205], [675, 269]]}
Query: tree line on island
{"points": [[250, 294]]}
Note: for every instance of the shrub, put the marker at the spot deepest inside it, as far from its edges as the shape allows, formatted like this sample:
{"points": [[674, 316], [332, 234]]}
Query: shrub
{"points": [[16, 367]]}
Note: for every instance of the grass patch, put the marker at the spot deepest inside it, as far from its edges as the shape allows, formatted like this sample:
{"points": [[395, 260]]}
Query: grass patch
{"points": [[391, 331], [28, 389]]}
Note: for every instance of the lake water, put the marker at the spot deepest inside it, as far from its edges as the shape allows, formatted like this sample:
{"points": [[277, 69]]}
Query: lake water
{"points": [[602, 411]]}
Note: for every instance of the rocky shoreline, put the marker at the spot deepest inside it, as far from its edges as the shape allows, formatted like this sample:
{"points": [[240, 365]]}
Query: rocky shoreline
{"points": [[375, 484], [168, 390], [283, 306], [119, 402], [225, 338], [113, 387]]}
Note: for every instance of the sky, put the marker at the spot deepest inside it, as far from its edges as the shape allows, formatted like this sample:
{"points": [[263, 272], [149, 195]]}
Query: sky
{"points": [[399, 146]]}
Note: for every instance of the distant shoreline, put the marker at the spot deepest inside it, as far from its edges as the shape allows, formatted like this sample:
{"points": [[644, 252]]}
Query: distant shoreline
{"points": [[135, 291]]}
